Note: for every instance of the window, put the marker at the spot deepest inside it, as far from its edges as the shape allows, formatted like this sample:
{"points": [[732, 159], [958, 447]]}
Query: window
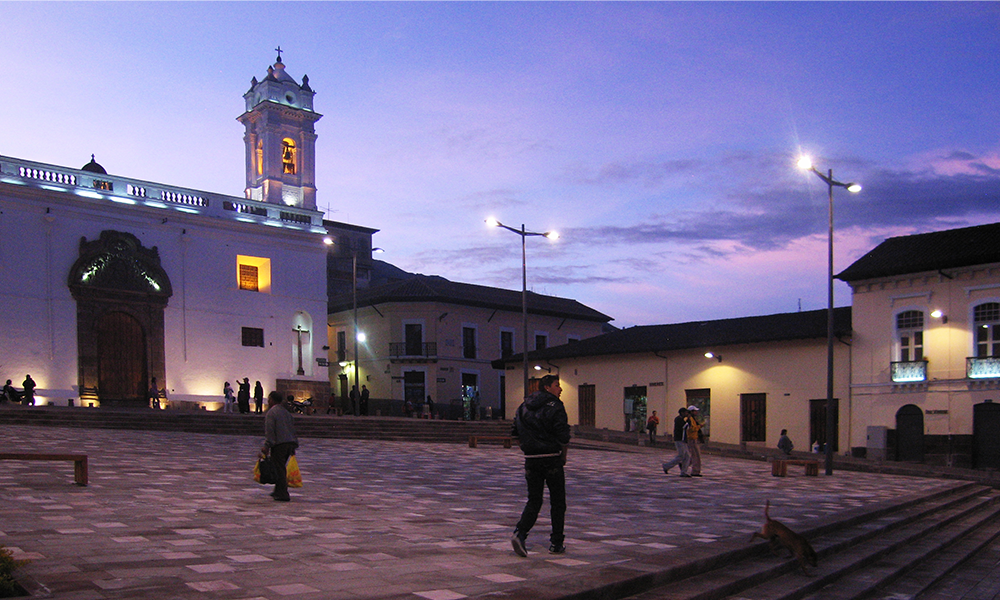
{"points": [[341, 346], [288, 156], [253, 336], [260, 157], [910, 335], [253, 274], [506, 344], [469, 342], [541, 341], [986, 320]]}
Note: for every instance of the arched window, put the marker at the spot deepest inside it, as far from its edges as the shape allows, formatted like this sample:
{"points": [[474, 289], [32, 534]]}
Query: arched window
{"points": [[260, 157], [986, 320], [910, 335], [288, 156]]}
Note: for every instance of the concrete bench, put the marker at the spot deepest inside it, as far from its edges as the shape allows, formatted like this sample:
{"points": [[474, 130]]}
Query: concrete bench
{"points": [[80, 474], [475, 439], [779, 467]]}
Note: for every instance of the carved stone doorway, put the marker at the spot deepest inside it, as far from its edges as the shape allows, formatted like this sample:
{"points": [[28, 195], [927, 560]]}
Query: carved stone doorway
{"points": [[120, 291]]}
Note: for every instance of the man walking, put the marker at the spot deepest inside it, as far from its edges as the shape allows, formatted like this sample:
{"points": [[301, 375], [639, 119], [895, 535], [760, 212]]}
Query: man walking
{"points": [[280, 441], [683, 457], [543, 432], [694, 438]]}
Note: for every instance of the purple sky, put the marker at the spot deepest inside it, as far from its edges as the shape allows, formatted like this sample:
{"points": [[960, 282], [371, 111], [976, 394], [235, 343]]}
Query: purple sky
{"points": [[658, 138]]}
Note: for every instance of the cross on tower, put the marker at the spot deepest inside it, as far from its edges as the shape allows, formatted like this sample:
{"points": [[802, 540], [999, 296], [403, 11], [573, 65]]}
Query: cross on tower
{"points": [[278, 50]]}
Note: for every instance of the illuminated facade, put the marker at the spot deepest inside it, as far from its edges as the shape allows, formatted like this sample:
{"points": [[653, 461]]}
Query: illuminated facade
{"points": [[107, 281]]}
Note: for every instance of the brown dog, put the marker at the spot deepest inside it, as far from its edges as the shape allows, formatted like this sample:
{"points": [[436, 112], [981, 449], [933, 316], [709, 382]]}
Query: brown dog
{"points": [[780, 535]]}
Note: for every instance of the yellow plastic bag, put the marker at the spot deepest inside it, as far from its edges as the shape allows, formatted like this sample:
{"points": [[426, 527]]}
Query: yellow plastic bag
{"points": [[292, 473]]}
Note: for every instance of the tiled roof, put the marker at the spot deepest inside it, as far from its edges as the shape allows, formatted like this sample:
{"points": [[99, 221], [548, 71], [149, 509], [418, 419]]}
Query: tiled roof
{"points": [[425, 288], [702, 334], [925, 252]]}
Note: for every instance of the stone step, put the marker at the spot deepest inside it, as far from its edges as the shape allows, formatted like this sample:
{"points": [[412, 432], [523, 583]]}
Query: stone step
{"points": [[752, 572]]}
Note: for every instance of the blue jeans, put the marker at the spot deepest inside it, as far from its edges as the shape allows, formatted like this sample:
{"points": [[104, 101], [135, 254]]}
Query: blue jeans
{"points": [[540, 472], [683, 458]]}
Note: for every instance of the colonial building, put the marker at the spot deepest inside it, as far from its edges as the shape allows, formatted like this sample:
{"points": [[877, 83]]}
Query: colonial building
{"points": [[926, 354], [750, 376], [107, 281], [428, 336]]}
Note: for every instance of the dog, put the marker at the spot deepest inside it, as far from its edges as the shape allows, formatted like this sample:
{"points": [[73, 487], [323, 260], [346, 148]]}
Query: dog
{"points": [[780, 535]]}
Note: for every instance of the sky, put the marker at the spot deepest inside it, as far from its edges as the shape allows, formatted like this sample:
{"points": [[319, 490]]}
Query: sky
{"points": [[659, 139]]}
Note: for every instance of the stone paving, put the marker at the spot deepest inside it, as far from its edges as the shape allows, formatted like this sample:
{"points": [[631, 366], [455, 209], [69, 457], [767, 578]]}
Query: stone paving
{"points": [[177, 515]]}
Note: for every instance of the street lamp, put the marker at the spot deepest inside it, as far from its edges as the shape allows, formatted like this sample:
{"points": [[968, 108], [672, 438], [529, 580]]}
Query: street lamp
{"points": [[552, 235], [831, 422], [358, 336]]}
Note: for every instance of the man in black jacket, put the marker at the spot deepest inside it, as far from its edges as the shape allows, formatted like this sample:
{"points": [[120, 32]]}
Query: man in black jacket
{"points": [[543, 432]]}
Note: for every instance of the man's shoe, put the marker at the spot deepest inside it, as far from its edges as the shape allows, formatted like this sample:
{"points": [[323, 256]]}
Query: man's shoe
{"points": [[666, 469], [684, 475], [282, 498], [517, 542], [695, 474], [557, 549]]}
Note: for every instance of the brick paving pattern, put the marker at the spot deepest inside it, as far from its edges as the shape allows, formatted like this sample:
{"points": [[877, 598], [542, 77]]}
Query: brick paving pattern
{"points": [[177, 515]]}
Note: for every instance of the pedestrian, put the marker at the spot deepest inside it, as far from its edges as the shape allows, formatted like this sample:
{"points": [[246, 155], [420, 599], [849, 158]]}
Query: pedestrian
{"points": [[683, 457], [230, 398], [364, 399], [258, 398], [29, 391], [331, 404], [154, 394], [785, 443], [280, 442], [543, 432], [430, 407], [651, 424], [243, 396], [695, 437], [355, 406], [408, 407]]}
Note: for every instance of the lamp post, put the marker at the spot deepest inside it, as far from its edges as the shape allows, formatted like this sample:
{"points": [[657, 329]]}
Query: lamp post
{"points": [[552, 235], [831, 419]]}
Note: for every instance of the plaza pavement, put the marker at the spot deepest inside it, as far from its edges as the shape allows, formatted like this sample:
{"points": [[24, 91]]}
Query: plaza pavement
{"points": [[172, 515]]}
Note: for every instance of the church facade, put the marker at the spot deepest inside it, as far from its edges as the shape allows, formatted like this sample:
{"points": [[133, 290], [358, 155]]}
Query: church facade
{"points": [[108, 281]]}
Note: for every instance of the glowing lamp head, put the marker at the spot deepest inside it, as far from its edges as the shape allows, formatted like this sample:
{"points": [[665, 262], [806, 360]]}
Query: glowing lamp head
{"points": [[552, 235], [362, 337], [492, 222], [805, 163], [854, 188]]}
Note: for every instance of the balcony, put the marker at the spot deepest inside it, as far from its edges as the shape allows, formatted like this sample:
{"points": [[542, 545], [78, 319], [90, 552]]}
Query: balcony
{"points": [[413, 353], [982, 368], [910, 371]]}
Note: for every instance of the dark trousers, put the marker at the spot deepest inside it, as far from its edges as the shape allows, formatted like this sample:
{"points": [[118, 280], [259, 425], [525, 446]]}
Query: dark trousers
{"points": [[279, 456], [541, 472]]}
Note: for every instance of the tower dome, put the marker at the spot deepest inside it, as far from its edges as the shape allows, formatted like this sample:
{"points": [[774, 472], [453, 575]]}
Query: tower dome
{"points": [[93, 167]]}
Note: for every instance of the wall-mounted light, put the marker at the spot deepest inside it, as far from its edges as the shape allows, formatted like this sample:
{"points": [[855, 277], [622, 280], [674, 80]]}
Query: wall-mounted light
{"points": [[717, 357], [541, 368], [938, 314]]}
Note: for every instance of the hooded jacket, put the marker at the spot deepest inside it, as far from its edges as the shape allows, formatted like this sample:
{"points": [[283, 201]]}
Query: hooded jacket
{"points": [[541, 425]]}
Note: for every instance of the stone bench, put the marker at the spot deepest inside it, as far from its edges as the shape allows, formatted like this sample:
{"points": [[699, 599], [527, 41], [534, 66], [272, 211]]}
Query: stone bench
{"points": [[80, 474], [475, 439], [779, 467]]}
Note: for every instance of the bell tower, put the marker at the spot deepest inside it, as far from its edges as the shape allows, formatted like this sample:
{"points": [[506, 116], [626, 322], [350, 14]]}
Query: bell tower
{"points": [[280, 139]]}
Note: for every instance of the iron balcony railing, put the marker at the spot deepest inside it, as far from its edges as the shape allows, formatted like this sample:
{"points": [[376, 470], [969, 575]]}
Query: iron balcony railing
{"points": [[405, 350], [987, 367], [909, 371]]}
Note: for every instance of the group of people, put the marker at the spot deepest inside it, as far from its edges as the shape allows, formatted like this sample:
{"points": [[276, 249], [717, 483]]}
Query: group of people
{"points": [[687, 436], [25, 397], [240, 399]]}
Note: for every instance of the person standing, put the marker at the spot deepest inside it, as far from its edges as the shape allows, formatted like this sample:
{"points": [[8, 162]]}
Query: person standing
{"points": [[651, 424], [683, 457], [785, 443], [694, 437], [29, 391], [365, 394], [280, 442], [243, 396], [355, 406], [230, 398], [543, 433], [258, 398]]}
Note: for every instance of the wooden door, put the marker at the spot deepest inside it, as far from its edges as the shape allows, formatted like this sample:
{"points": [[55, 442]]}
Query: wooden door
{"points": [[121, 355]]}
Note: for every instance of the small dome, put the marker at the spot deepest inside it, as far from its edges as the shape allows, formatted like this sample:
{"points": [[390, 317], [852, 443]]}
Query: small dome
{"points": [[93, 167]]}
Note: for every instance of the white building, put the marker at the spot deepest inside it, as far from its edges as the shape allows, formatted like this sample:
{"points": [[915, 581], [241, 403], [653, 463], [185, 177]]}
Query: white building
{"points": [[106, 281]]}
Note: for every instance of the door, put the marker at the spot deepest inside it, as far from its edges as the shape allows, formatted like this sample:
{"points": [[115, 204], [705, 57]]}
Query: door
{"points": [[588, 405], [413, 387], [986, 436], [817, 422], [470, 396], [910, 433], [753, 417], [121, 357], [635, 397]]}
